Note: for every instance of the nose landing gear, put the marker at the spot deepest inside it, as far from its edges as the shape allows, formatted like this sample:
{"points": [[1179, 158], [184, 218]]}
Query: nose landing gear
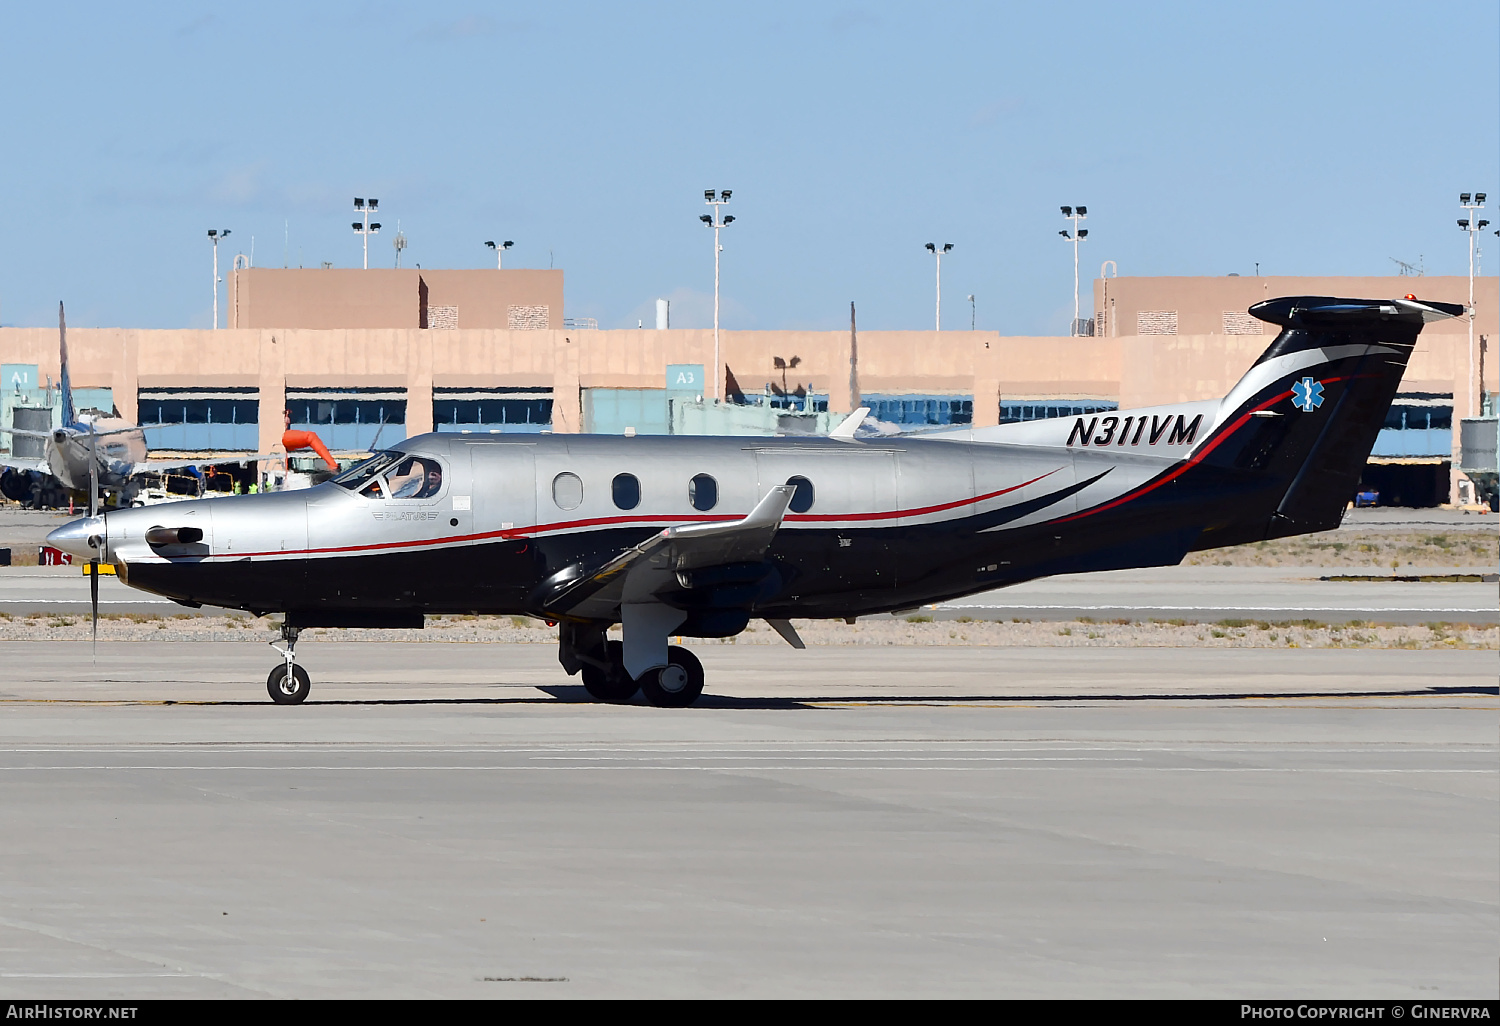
{"points": [[288, 683]]}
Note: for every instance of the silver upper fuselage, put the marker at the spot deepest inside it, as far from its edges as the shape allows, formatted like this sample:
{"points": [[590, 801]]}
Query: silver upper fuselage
{"points": [[499, 488]]}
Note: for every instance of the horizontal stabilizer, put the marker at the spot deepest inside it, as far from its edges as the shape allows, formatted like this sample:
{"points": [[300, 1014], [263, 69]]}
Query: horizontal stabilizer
{"points": [[850, 424]]}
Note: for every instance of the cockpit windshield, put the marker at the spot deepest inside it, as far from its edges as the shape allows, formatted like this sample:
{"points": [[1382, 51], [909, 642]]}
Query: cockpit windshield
{"points": [[359, 475], [394, 475]]}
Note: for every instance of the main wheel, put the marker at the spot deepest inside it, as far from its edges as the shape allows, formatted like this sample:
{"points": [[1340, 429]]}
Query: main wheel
{"points": [[288, 690], [677, 684], [614, 684]]}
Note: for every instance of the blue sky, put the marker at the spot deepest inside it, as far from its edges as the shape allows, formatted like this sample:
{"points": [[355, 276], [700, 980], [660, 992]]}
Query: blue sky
{"points": [[1314, 138]]}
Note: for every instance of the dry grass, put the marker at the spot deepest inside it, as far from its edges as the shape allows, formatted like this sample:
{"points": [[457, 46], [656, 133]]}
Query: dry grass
{"points": [[1370, 549], [876, 631]]}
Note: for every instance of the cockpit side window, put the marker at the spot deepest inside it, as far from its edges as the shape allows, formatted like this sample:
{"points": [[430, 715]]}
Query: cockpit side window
{"points": [[415, 478]]}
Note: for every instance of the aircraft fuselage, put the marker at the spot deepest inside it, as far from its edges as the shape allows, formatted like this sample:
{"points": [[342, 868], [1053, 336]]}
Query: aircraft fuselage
{"points": [[874, 526]]}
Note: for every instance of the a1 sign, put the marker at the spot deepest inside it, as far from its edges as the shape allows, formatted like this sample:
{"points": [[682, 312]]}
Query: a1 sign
{"points": [[18, 377], [685, 377]]}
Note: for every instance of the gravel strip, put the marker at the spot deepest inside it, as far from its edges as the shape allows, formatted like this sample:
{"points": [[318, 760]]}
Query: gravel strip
{"points": [[914, 630]]}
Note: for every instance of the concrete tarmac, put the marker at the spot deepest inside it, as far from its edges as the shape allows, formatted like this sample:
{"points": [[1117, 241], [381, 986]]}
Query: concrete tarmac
{"points": [[454, 821], [1204, 593], [1211, 593]]}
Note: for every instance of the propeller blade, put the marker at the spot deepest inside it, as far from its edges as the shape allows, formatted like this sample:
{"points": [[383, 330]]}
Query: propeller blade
{"points": [[93, 474], [93, 513], [94, 601]]}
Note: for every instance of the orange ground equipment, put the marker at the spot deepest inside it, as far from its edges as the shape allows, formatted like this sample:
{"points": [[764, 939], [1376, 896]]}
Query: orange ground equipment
{"points": [[292, 440], [307, 440]]}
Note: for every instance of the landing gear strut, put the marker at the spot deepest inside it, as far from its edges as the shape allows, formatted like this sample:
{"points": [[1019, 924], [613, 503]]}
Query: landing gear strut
{"points": [[288, 683], [610, 682]]}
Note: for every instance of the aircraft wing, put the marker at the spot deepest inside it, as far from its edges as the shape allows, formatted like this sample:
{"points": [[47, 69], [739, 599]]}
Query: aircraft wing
{"points": [[25, 464], [636, 574], [157, 466], [75, 432]]}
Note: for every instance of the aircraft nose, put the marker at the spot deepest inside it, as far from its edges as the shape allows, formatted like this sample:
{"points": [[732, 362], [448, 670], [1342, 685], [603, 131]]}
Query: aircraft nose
{"points": [[83, 537]]}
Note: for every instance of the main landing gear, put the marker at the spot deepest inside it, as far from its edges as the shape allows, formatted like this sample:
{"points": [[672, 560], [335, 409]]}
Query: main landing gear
{"points": [[601, 663], [673, 686], [677, 684], [288, 683]]}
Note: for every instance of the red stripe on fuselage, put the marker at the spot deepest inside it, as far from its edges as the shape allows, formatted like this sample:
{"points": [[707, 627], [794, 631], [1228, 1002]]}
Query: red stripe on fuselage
{"points": [[571, 525]]}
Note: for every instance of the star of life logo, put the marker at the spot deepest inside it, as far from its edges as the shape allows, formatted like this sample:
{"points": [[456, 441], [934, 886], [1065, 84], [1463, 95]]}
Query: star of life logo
{"points": [[1307, 395]]}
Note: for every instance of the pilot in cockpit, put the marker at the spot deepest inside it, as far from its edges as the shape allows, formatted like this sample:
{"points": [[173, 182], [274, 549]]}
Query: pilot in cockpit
{"points": [[415, 479]]}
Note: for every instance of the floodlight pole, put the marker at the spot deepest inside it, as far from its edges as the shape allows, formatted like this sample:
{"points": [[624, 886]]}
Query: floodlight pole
{"points": [[935, 251], [363, 227], [214, 235], [1075, 214], [500, 248], [716, 222], [1471, 226]]}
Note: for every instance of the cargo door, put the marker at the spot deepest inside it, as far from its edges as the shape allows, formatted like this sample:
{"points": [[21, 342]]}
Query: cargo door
{"points": [[501, 561]]}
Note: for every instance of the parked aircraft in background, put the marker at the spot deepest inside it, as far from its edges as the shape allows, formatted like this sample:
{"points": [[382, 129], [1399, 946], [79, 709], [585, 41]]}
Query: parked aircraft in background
{"points": [[89, 451], [695, 536]]}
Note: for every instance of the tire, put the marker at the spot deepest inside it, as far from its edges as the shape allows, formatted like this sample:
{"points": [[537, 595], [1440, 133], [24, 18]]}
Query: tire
{"points": [[677, 684], [281, 694], [614, 684]]}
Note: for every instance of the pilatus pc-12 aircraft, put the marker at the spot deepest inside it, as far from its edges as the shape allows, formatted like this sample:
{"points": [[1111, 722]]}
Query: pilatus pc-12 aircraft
{"points": [[695, 536]]}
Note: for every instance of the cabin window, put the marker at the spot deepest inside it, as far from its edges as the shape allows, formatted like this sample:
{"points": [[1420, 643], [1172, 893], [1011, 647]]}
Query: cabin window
{"points": [[803, 497], [627, 491], [703, 492], [567, 491]]}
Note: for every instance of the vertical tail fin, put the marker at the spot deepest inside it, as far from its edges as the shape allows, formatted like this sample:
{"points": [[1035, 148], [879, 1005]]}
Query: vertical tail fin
{"points": [[68, 413], [1304, 418]]}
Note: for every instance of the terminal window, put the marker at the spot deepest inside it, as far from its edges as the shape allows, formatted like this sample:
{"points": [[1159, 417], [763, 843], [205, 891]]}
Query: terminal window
{"points": [[514, 410], [921, 410], [349, 419], [196, 419], [1017, 411]]}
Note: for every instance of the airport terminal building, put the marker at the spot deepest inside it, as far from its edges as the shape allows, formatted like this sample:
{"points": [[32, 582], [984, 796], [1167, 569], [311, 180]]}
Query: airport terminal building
{"points": [[365, 358]]}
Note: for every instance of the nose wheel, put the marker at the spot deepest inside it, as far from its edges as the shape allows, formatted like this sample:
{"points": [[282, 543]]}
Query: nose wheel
{"points": [[288, 683]]}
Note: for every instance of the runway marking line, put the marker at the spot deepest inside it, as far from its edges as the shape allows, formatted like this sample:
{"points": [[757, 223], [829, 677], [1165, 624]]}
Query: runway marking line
{"points": [[746, 766], [790, 703]]}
